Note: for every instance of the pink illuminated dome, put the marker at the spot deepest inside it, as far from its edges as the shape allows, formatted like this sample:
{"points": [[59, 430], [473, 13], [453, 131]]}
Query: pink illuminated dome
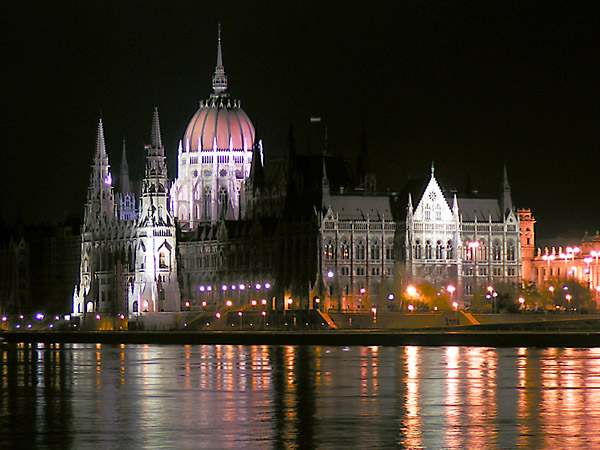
{"points": [[220, 123]]}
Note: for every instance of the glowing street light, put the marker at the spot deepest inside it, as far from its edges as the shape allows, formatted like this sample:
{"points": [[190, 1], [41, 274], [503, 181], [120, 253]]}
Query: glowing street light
{"points": [[548, 259], [411, 291], [411, 308], [569, 297], [330, 274], [473, 245]]}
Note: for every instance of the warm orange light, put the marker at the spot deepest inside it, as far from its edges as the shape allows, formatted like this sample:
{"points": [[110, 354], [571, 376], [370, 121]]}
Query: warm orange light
{"points": [[229, 303]]}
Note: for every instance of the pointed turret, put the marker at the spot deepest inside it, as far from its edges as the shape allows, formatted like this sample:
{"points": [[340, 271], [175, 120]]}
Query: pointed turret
{"points": [[154, 205], [126, 198], [219, 81], [365, 175], [155, 136], [125, 184], [257, 174], [100, 203], [506, 195], [325, 191], [101, 144]]}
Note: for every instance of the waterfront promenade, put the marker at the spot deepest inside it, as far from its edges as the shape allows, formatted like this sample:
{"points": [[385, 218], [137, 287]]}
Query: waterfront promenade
{"points": [[463, 337]]}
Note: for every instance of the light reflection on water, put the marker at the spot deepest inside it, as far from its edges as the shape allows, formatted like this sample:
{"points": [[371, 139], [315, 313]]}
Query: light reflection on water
{"points": [[84, 396]]}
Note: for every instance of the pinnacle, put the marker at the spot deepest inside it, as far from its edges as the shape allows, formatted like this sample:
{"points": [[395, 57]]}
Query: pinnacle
{"points": [[155, 137]]}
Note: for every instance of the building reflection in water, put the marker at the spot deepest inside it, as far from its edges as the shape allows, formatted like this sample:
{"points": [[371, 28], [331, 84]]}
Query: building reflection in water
{"points": [[227, 396]]}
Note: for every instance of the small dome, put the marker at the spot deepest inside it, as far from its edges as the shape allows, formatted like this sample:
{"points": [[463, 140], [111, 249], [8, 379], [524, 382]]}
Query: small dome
{"points": [[220, 121]]}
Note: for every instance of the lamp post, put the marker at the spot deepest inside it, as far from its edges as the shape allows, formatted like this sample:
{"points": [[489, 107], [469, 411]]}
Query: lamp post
{"points": [[546, 257], [473, 245], [568, 297], [451, 289], [595, 254]]}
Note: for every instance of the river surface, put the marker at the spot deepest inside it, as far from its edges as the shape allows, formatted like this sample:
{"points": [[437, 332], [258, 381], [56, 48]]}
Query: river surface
{"points": [[86, 396]]}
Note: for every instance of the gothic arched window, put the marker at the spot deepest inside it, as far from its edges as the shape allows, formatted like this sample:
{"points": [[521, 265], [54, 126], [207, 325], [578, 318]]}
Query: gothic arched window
{"points": [[438, 250], [360, 250], [344, 249], [449, 250], [207, 203], [427, 250], [328, 250], [510, 251], [497, 251], [375, 250], [162, 261], [389, 250], [223, 201], [418, 249]]}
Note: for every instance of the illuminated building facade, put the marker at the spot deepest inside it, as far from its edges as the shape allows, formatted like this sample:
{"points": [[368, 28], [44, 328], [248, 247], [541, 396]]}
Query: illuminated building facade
{"points": [[577, 262], [214, 158], [128, 262], [464, 241], [301, 233]]}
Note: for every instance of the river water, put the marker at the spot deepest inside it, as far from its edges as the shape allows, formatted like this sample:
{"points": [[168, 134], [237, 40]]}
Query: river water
{"points": [[85, 396]]}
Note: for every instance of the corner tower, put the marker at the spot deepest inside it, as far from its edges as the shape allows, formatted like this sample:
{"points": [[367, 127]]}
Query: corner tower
{"points": [[214, 158], [155, 286]]}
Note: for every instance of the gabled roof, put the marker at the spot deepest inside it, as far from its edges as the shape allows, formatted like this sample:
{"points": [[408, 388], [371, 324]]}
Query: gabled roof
{"points": [[482, 208], [359, 207]]}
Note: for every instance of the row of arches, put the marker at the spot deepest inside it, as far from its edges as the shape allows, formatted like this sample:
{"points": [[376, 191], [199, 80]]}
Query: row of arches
{"points": [[360, 250], [478, 252], [203, 204]]}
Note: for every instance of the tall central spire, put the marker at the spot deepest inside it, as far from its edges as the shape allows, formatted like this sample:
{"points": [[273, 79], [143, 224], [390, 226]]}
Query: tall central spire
{"points": [[219, 81]]}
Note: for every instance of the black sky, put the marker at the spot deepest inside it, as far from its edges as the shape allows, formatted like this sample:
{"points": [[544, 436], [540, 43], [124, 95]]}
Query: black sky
{"points": [[471, 85]]}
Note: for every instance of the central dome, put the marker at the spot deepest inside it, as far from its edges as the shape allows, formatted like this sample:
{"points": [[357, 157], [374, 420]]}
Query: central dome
{"points": [[219, 124]]}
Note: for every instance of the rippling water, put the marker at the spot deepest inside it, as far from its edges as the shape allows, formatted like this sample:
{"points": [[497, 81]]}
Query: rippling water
{"points": [[81, 396]]}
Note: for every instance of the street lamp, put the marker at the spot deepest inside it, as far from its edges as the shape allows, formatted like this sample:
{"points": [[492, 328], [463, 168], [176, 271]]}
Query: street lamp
{"points": [[450, 288], [473, 245], [548, 258], [569, 297]]}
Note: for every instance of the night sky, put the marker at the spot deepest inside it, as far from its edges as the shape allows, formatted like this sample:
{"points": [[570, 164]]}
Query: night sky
{"points": [[470, 85]]}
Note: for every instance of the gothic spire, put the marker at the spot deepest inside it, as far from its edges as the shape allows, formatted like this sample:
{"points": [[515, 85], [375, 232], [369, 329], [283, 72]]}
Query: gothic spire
{"points": [[155, 137], [256, 168], [366, 177], [219, 81], [100, 143], [125, 183], [506, 195]]}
